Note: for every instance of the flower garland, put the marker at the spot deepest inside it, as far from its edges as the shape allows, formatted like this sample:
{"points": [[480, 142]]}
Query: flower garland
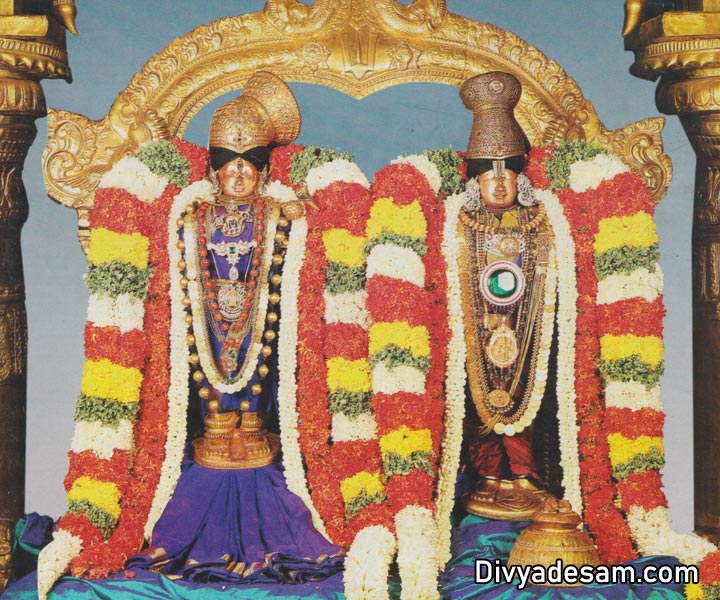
{"points": [[369, 342], [179, 387], [618, 350], [287, 366], [454, 381], [333, 370], [121, 415], [407, 298], [566, 326]]}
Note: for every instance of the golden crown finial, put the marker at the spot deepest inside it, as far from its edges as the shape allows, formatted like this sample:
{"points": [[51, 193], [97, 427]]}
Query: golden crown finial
{"points": [[266, 113]]}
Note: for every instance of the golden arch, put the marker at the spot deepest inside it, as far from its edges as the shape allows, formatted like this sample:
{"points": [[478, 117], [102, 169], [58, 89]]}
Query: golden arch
{"points": [[355, 46]]}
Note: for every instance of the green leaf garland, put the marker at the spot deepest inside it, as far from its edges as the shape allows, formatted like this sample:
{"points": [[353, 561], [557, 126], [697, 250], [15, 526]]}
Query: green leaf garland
{"points": [[164, 159]]}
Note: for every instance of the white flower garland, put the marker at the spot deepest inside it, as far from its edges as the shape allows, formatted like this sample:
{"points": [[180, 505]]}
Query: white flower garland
{"points": [[178, 392], [396, 262], [641, 283], [348, 307], [423, 164], [287, 367], [399, 379], [339, 169], [54, 560], [279, 191], [103, 440], [125, 312], [132, 175], [589, 174], [367, 564], [361, 427], [455, 377], [566, 323], [654, 535], [633, 395], [416, 558]]}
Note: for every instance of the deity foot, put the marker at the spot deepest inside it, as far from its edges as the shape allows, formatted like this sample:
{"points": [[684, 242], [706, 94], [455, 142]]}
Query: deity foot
{"points": [[505, 500], [248, 446]]}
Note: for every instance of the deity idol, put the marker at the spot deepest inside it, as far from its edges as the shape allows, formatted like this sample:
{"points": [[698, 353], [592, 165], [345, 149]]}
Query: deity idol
{"points": [[232, 517], [508, 299]]}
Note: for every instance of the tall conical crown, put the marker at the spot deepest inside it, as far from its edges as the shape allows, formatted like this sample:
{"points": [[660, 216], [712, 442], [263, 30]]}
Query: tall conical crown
{"points": [[496, 134]]}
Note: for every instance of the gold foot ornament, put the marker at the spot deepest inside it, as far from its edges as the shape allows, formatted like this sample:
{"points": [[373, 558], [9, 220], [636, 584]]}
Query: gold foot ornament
{"points": [[505, 500]]}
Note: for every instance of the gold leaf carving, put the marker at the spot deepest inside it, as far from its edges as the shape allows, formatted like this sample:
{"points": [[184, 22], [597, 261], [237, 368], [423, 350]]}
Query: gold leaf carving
{"points": [[314, 56], [417, 18], [13, 340], [404, 56], [294, 17], [641, 146]]}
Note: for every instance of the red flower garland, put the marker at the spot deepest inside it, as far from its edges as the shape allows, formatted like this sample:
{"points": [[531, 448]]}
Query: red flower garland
{"points": [[136, 473]]}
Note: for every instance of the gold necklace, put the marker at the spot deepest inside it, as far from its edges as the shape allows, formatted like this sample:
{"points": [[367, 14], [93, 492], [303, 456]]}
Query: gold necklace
{"points": [[531, 225], [494, 401]]}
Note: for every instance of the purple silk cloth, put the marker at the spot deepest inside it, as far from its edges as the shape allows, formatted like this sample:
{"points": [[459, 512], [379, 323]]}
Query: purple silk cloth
{"points": [[239, 526]]}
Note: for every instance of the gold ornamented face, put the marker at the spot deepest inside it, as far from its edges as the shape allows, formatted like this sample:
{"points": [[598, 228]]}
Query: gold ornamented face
{"points": [[498, 190], [238, 178]]}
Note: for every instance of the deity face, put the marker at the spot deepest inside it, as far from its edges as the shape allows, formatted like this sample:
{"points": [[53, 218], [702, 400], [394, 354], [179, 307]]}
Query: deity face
{"points": [[498, 190], [238, 178]]}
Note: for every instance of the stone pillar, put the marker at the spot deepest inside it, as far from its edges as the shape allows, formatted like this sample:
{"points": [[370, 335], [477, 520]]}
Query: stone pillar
{"points": [[682, 47], [32, 47]]}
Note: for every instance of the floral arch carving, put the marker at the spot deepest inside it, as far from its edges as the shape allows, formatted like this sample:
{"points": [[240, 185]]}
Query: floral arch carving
{"points": [[355, 46]]}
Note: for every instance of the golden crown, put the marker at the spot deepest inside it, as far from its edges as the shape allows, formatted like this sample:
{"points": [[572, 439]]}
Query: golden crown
{"points": [[495, 134], [266, 113]]}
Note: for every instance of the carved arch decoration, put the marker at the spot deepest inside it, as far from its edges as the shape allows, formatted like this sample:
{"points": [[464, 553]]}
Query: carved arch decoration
{"points": [[355, 46]]}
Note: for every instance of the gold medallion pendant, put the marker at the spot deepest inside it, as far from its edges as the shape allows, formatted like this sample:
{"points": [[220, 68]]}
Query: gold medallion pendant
{"points": [[502, 350], [499, 399], [231, 297]]}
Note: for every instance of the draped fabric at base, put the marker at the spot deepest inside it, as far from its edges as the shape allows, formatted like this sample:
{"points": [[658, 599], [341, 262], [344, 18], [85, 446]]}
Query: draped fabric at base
{"points": [[473, 538], [147, 585], [238, 526]]}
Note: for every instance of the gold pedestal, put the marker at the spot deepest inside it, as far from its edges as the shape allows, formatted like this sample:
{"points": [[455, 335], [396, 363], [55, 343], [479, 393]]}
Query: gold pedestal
{"points": [[506, 500]]}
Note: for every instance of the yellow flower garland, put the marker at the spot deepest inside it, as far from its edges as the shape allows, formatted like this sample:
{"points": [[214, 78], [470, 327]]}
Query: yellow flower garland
{"points": [[404, 441], [107, 246], [352, 487], [636, 230], [400, 333], [386, 216], [616, 347], [104, 379], [622, 449], [103, 494], [343, 247], [350, 375]]}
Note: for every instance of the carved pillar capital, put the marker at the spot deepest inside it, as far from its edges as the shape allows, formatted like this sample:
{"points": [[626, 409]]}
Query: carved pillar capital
{"points": [[32, 47]]}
